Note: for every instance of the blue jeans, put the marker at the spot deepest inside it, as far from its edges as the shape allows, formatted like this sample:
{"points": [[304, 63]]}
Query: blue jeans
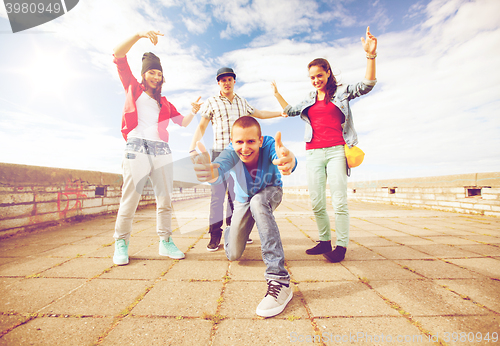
{"points": [[259, 210], [216, 218], [322, 165]]}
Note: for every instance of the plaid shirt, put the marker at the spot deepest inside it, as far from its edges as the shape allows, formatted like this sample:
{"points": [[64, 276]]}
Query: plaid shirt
{"points": [[223, 114]]}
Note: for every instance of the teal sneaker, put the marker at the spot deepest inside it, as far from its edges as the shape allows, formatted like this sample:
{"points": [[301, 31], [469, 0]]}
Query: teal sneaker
{"points": [[121, 252], [168, 248]]}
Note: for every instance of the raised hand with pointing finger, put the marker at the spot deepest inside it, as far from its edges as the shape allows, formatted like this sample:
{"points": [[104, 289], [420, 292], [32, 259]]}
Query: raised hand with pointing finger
{"points": [[286, 159], [196, 105]]}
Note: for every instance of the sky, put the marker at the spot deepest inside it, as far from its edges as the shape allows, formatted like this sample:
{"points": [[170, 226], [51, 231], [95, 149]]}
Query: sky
{"points": [[434, 110]]}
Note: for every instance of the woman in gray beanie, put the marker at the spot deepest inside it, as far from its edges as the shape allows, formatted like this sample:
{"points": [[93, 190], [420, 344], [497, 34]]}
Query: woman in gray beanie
{"points": [[145, 118]]}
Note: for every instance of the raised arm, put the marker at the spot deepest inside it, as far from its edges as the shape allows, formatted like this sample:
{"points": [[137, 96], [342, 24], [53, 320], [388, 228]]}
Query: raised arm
{"points": [[198, 134], [370, 47], [278, 96], [122, 49]]}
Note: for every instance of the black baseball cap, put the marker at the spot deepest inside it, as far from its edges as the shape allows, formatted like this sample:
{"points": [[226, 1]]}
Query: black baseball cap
{"points": [[225, 71]]}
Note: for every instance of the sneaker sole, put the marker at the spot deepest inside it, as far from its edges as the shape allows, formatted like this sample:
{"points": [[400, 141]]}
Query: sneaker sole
{"points": [[275, 311], [319, 253], [173, 257], [120, 263], [212, 250]]}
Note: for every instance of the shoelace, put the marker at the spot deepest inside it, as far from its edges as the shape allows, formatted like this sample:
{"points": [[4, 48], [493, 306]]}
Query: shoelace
{"points": [[273, 290]]}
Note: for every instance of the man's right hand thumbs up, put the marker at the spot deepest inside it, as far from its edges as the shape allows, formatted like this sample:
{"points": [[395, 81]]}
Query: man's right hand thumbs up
{"points": [[205, 171]]}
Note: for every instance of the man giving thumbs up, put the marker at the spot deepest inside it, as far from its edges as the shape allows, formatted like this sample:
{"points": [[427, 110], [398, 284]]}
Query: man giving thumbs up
{"points": [[254, 161]]}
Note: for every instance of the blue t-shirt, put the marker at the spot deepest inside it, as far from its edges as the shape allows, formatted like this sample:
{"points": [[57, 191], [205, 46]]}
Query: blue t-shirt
{"points": [[244, 186]]}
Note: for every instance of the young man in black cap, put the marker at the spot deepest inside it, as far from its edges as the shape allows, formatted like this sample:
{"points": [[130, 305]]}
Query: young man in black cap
{"points": [[223, 110]]}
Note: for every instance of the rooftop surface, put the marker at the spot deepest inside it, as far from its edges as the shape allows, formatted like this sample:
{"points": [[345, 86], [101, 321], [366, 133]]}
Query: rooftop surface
{"points": [[411, 276]]}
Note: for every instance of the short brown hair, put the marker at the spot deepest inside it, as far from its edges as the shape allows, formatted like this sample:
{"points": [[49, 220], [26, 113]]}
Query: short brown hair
{"points": [[247, 121]]}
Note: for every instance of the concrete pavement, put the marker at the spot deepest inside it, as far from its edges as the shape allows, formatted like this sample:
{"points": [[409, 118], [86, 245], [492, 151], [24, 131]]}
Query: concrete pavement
{"points": [[410, 276]]}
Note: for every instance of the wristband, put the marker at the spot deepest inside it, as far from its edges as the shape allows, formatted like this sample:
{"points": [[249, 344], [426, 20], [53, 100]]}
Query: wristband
{"points": [[369, 56], [192, 151]]}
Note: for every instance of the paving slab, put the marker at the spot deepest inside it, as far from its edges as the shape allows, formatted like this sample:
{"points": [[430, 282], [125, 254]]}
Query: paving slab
{"points": [[356, 252], [487, 266], [33, 294], [443, 250], [379, 270], [437, 269], [138, 269], [260, 332], [160, 331], [28, 266], [482, 291], [333, 299], [481, 249], [85, 268], [97, 297], [464, 330], [408, 272], [319, 270], [425, 298], [371, 331], [59, 330], [180, 298], [399, 252]]}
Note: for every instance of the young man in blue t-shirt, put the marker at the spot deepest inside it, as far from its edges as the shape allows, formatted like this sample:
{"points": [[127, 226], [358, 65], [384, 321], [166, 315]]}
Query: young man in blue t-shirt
{"points": [[254, 162]]}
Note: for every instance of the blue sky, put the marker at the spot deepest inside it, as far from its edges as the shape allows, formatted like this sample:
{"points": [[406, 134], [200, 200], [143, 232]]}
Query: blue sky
{"points": [[434, 110]]}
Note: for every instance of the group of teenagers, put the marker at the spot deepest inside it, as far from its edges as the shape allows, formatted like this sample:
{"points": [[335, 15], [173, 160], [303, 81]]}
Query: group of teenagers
{"points": [[244, 164]]}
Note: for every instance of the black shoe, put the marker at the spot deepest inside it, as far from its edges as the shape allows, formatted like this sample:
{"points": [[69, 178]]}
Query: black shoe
{"points": [[323, 246], [213, 245], [249, 241], [337, 255]]}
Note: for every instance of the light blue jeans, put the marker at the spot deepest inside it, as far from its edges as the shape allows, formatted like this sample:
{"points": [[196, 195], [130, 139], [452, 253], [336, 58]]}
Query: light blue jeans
{"points": [[259, 210], [322, 165], [145, 160]]}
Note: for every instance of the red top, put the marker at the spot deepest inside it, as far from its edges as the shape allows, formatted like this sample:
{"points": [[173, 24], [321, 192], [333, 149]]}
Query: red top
{"points": [[326, 121], [134, 89]]}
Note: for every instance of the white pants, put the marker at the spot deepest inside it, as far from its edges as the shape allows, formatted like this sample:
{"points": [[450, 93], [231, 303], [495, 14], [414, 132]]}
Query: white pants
{"points": [[140, 163]]}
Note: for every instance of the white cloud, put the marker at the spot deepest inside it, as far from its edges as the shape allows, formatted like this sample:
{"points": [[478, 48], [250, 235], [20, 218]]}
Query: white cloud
{"points": [[434, 107], [432, 112], [50, 142]]}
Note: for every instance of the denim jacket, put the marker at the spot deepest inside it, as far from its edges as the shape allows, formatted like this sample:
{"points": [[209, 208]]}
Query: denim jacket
{"points": [[341, 99]]}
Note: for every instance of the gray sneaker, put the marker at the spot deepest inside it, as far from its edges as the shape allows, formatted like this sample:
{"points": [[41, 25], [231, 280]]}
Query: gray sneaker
{"points": [[121, 252], [276, 299]]}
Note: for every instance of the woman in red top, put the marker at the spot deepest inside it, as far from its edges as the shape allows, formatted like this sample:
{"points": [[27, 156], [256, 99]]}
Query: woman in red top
{"points": [[329, 126], [147, 155]]}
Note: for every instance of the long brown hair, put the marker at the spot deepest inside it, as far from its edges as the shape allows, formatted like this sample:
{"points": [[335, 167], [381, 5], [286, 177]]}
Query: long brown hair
{"points": [[157, 92], [331, 84]]}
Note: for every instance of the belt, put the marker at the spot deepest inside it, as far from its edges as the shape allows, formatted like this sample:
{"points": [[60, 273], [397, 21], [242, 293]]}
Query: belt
{"points": [[148, 147]]}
